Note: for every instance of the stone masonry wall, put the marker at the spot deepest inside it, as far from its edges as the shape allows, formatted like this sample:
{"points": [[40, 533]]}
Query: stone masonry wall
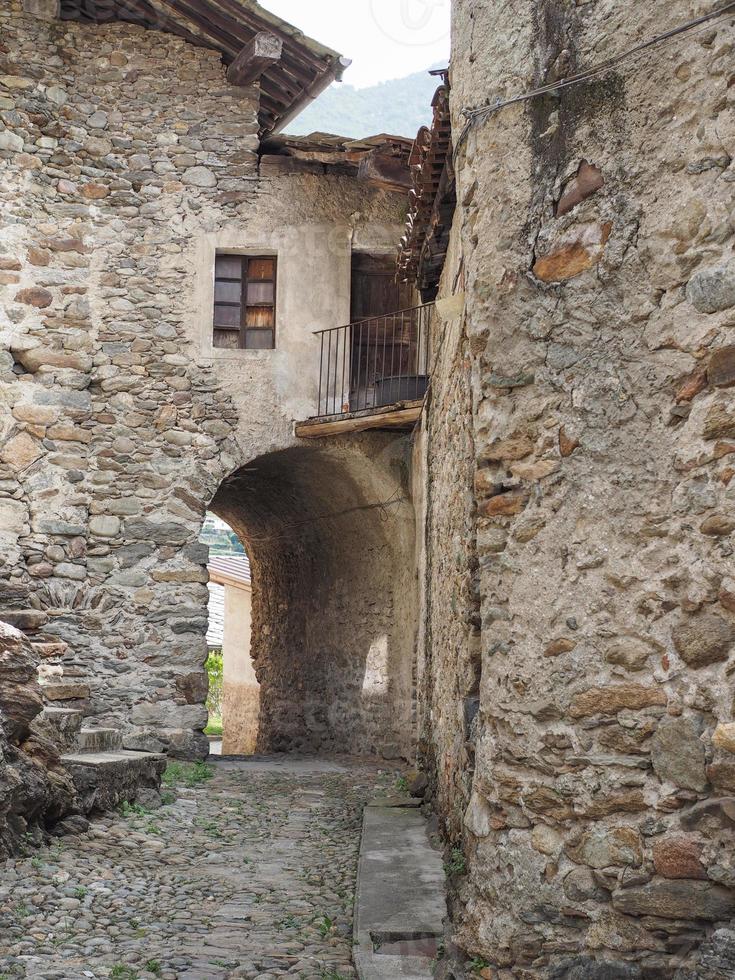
{"points": [[125, 158], [102, 172], [449, 658], [597, 246]]}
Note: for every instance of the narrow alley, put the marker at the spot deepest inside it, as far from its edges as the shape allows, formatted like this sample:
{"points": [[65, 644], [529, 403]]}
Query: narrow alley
{"points": [[247, 870], [367, 404]]}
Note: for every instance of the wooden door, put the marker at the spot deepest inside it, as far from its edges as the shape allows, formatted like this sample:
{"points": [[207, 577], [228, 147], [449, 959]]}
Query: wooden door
{"points": [[375, 291], [381, 341]]}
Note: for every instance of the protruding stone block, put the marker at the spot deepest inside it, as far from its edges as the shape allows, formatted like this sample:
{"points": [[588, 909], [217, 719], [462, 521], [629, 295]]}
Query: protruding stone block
{"points": [[721, 369], [678, 857], [682, 899], [678, 754], [704, 639]]}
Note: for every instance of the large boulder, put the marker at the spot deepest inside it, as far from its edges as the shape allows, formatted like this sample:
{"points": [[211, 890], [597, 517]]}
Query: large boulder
{"points": [[35, 789], [20, 694]]}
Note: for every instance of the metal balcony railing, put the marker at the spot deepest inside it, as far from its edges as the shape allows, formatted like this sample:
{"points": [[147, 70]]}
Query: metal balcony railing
{"points": [[375, 362]]}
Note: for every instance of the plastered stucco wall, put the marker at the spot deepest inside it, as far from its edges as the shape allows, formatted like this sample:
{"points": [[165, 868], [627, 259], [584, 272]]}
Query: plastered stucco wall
{"points": [[587, 793], [240, 688], [125, 161]]}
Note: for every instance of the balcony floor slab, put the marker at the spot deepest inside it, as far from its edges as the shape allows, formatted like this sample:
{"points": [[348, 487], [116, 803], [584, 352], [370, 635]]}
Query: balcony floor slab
{"points": [[401, 416]]}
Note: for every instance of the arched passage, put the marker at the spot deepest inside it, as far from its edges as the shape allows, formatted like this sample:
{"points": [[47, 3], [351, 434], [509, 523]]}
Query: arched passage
{"points": [[330, 534]]}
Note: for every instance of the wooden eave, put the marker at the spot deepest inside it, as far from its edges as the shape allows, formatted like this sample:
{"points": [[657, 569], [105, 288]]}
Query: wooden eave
{"points": [[303, 71], [432, 201]]}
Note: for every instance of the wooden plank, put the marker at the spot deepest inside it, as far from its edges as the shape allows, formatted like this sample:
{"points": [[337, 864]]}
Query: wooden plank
{"points": [[302, 63], [401, 416], [378, 167], [261, 53], [296, 53], [224, 33]]}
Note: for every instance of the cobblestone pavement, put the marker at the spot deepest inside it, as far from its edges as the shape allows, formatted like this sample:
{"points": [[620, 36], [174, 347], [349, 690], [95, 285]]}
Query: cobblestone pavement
{"points": [[250, 873]]}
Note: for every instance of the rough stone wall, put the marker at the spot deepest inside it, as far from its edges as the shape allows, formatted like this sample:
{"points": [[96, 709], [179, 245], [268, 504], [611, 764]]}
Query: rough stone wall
{"points": [[125, 160], [105, 421], [599, 316], [449, 663]]}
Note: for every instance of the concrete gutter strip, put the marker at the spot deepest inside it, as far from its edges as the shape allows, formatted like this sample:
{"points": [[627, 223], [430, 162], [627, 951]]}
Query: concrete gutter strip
{"points": [[400, 904]]}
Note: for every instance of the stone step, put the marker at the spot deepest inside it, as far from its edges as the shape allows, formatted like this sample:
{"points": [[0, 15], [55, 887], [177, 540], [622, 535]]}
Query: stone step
{"points": [[60, 725], [106, 779], [98, 740], [400, 903], [75, 671], [65, 692]]}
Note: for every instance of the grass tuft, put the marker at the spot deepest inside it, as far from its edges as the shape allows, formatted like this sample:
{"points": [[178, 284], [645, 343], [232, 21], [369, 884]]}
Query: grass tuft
{"points": [[477, 964], [457, 863], [122, 972], [179, 773], [214, 727]]}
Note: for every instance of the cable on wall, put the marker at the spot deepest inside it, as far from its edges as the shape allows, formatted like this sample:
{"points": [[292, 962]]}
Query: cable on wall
{"points": [[380, 505], [483, 112]]}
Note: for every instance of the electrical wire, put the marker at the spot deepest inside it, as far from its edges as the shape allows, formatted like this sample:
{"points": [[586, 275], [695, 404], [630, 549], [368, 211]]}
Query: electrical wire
{"points": [[381, 505], [483, 112]]}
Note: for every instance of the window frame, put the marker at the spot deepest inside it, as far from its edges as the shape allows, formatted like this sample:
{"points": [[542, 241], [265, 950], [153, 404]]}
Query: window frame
{"points": [[245, 280]]}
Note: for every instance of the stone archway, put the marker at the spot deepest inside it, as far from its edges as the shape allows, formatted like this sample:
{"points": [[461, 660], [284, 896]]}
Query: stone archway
{"points": [[330, 534]]}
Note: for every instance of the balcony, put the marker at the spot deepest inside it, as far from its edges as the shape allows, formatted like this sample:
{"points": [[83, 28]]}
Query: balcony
{"points": [[373, 374]]}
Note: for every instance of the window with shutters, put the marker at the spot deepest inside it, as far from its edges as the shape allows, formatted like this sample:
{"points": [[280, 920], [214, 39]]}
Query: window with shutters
{"points": [[245, 302]]}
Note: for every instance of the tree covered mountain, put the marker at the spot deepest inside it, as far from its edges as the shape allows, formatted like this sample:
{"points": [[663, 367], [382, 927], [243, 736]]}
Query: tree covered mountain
{"points": [[398, 107]]}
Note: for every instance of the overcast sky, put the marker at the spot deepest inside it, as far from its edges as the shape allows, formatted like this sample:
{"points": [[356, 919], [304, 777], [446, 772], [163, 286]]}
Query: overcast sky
{"points": [[385, 38]]}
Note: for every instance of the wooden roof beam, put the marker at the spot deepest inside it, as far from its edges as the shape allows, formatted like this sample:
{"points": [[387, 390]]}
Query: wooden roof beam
{"points": [[293, 54], [333, 73], [259, 55], [378, 167]]}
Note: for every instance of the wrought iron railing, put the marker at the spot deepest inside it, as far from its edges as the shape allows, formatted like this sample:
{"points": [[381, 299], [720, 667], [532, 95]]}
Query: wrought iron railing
{"points": [[375, 362]]}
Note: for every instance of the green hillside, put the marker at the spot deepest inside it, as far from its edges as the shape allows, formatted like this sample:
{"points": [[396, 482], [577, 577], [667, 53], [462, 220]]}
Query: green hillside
{"points": [[398, 107]]}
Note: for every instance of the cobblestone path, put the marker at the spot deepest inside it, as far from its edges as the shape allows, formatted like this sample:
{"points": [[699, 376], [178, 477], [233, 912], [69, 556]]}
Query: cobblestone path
{"points": [[248, 874]]}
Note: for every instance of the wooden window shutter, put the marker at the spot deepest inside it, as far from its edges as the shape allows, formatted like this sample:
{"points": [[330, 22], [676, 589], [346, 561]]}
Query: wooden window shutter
{"points": [[245, 302]]}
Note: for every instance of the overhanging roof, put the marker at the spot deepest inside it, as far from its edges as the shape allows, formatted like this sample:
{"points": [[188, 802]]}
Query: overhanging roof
{"points": [[303, 71], [432, 200], [380, 160], [229, 570]]}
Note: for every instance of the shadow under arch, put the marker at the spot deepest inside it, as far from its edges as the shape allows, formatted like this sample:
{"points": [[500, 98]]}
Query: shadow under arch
{"points": [[330, 534]]}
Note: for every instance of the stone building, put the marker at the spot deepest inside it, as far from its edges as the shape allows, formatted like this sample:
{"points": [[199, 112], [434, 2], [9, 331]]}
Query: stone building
{"points": [[521, 576], [576, 696], [127, 191]]}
